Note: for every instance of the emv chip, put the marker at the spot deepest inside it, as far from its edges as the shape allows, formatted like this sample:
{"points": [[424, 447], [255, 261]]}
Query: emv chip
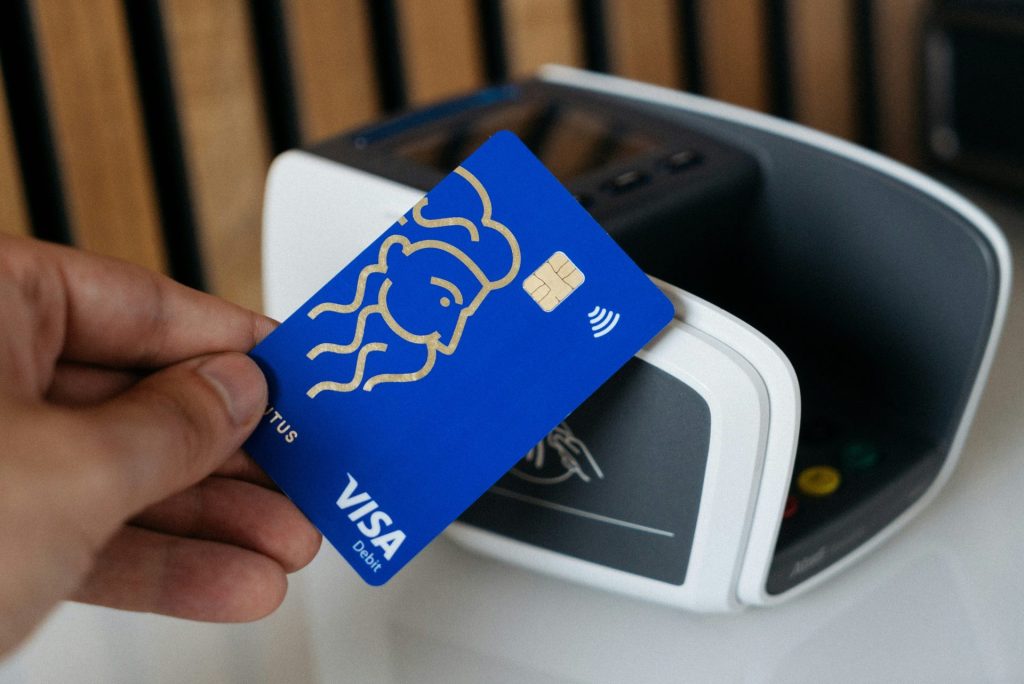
{"points": [[553, 282]]}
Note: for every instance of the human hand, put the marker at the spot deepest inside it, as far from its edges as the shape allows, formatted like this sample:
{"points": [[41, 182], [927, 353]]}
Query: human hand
{"points": [[124, 398]]}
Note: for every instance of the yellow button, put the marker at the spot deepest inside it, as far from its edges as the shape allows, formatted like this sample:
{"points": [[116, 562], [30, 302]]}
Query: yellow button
{"points": [[818, 480]]}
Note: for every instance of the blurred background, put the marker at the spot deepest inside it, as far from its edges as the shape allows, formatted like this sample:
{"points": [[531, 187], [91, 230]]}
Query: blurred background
{"points": [[144, 128]]}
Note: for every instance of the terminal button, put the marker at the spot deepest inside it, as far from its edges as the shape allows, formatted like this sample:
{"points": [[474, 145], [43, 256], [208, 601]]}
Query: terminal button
{"points": [[819, 480], [792, 505], [627, 181], [683, 159], [859, 455]]}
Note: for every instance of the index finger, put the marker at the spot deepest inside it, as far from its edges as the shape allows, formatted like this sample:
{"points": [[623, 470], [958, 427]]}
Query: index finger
{"points": [[119, 314]]}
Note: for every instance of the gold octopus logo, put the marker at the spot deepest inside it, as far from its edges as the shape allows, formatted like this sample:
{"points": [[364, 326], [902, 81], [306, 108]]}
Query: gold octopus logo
{"points": [[440, 306]]}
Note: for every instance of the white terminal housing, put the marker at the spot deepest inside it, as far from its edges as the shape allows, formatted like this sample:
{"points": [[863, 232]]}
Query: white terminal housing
{"points": [[842, 234]]}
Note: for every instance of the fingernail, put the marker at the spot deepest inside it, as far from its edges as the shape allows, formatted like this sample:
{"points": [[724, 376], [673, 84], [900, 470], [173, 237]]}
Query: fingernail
{"points": [[239, 382]]}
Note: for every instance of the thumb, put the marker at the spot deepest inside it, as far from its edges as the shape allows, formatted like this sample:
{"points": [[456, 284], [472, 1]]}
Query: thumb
{"points": [[177, 425]]}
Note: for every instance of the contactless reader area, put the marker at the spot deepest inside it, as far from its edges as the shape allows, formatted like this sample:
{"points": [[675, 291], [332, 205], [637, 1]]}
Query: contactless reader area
{"points": [[880, 298], [643, 432]]}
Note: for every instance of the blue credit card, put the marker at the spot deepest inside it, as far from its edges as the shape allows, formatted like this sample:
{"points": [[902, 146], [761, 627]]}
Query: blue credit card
{"points": [[427, 367]]}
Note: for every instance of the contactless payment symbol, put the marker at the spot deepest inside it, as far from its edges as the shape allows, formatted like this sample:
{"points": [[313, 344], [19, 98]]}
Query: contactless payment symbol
{"points": [[602, 321], [429, 311], [573, 459]]}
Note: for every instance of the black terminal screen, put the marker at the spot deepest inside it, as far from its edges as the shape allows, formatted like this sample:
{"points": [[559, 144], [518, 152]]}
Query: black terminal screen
{"points": [[569, 140], [988, 96]]}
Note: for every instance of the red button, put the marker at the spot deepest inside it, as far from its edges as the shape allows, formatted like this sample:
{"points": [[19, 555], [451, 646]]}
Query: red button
{"points": [[791, 505]]}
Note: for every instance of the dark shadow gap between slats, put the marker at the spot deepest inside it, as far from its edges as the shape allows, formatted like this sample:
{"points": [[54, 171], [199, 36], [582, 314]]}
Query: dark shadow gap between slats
{"points": [[492, 40], [592, 17], [164, 141], [865, 73], [387, 55], [780, 73], [276, 79], [690, 46], [30, 124]]}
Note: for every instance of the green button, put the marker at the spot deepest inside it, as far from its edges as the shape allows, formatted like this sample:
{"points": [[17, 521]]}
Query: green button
{"points": [[859, 455]]}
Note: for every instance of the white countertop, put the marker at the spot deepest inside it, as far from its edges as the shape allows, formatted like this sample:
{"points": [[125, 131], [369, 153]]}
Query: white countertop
{"points": [[942, 601]]}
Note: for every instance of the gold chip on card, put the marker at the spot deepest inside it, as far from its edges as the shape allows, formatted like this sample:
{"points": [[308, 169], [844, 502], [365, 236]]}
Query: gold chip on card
{"points": [[553, 282]]}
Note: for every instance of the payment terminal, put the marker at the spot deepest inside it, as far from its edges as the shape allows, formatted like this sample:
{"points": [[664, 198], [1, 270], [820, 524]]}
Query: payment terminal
{"points": [[836, 315]]}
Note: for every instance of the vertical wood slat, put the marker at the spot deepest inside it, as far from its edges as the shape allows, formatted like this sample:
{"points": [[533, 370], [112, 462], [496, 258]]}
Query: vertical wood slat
{"points": [[226, 141], [542, 32], [734, 51], [333, 65], [441, 47], [13, 214], [97, 124], [824, 86], [897, 25], [645, 41]]}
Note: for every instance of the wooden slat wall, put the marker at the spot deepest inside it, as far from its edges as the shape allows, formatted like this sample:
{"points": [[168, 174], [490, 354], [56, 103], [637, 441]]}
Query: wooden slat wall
{"points": [[13, 216], [645, 41], [896, 25], [96, 115], [225, 133], [542, 32], [87, 71], [735, 51], [821, 45], [446, 30], [333, 65]]}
